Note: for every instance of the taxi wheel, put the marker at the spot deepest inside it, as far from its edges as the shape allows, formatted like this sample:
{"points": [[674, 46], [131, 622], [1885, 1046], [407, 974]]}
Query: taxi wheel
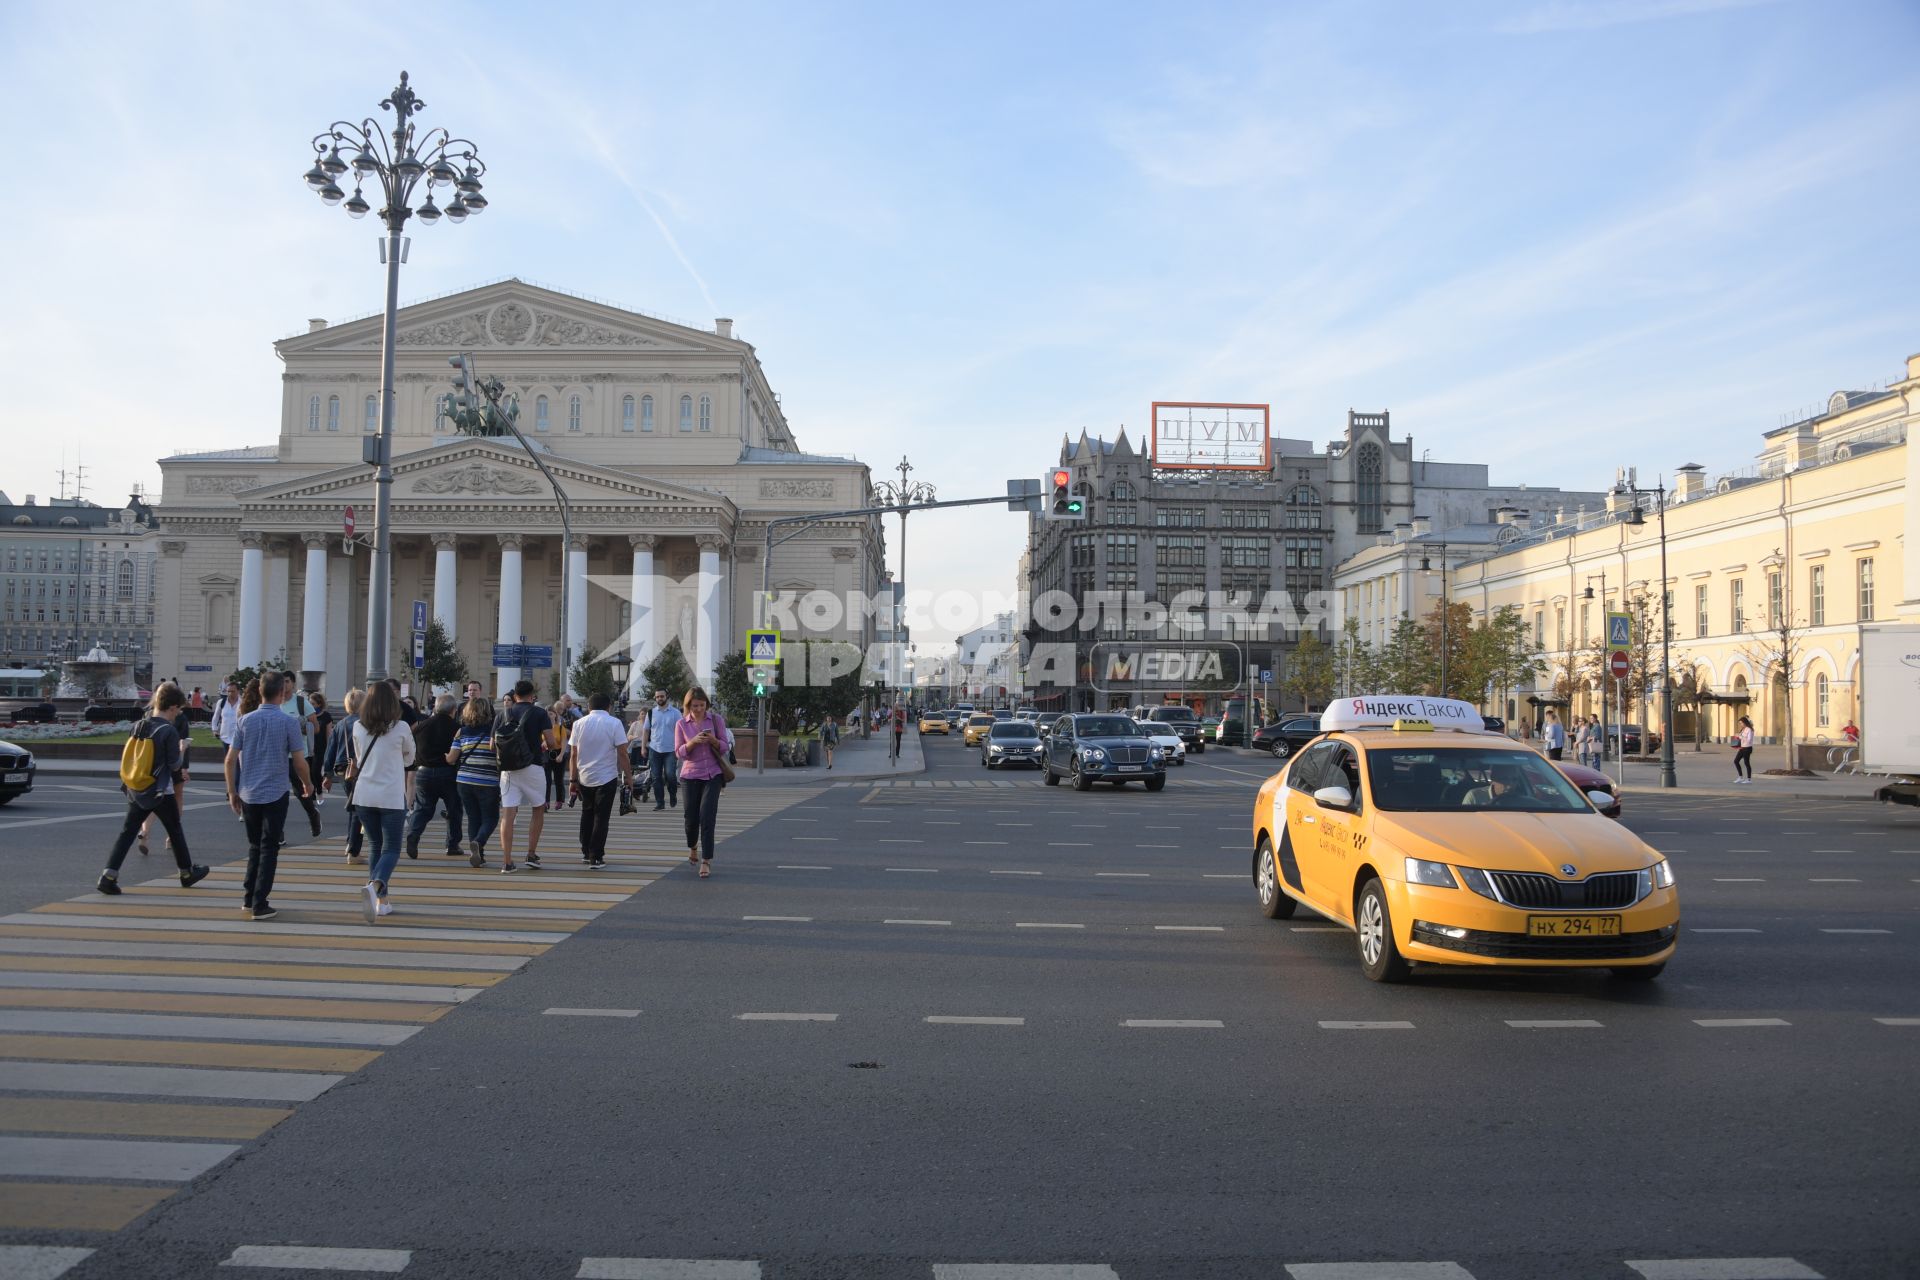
{"points": [[1081, 782], [1379, 958], [1639, 972], [1274, 905]]}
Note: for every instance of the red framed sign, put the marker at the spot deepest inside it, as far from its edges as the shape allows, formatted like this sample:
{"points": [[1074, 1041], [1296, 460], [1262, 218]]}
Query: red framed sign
{"points": [[1206, 436]]}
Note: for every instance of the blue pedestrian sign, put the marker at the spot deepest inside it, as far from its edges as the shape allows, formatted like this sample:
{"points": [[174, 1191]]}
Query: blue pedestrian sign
{"points": [[763, 648], [507, 657], [419, 615], [1619, 630], [536, 655]]}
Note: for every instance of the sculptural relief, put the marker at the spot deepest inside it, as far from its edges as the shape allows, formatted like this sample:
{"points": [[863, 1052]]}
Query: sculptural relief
{"points": [[475, 477]]}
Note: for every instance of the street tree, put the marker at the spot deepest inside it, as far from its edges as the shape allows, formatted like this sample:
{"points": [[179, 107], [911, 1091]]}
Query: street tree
{"points": [[1777, 649], [591, 674], [1451, 632], [445, 666], [1356, 666], [1407, 665], [668, 671], [1310, 672]]}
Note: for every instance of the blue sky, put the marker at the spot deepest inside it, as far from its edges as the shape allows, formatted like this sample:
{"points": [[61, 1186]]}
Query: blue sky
{"points": [[1555, 236]]}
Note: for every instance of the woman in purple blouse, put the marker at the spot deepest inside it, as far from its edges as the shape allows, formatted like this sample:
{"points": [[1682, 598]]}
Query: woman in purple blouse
{"points": [[701, 741]]}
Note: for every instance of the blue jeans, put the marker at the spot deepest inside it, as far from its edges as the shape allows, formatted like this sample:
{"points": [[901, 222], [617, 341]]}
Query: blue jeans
{"points": [[663, 775], [383, 828], [433, 786], [482, 804]]}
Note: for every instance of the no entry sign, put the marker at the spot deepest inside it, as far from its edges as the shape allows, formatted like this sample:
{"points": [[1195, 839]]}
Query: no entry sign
{"points": [[346, 521], [1617, 664]]}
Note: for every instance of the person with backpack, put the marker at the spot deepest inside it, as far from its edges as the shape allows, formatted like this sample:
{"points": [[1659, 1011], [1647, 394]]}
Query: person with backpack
{"points": [[266, 744], [477, 774], [152, 765], [383, 755], [521, 736]]}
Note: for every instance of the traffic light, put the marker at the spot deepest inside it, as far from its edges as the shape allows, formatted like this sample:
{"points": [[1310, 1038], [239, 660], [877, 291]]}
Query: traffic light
{"points": [[1061, 502]]}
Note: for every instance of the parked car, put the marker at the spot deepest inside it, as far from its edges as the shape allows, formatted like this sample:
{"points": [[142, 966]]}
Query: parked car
{"points": [[1591, 780], [37, 713], [1628, 739], [1495, 724], [1010, 742], [1286, 737], [16, 771], [1102, 747]]}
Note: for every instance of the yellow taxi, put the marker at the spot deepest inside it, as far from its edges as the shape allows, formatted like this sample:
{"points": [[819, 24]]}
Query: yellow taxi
{"points": [[932, 722], [1439, 843], [976, 727]]}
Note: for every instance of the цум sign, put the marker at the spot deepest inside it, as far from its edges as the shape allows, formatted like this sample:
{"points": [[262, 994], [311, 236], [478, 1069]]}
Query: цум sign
{"points": [[1211, 437]]}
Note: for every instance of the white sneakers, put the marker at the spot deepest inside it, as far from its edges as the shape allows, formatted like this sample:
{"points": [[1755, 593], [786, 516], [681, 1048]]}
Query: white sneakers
{"points": [[384, 909], [370, 902]]}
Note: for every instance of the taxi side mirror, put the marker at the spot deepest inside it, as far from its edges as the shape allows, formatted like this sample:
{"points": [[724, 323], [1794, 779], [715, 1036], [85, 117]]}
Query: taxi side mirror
{"points": [[1333, 798], [1601, 800]]}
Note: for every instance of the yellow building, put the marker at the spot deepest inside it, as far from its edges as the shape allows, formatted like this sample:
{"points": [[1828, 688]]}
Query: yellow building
{"points": [[1784, 558]]}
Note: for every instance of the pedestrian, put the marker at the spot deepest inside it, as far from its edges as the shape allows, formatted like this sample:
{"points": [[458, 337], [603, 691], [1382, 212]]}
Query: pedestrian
{"points": [[382, 756], [556, 754], [829, 738], [477, 774], [197, 700], [300, 710], [267, 757], [663, 764], [1743, 753], [322, 736], [152, 766], [1555, 737], [250, 699], [701, 742], [521, 734], [637, 752], [339, 755], [597, 768], [226, 714], [474, 690], [1851, 732], [436, 780], [409, 713]]}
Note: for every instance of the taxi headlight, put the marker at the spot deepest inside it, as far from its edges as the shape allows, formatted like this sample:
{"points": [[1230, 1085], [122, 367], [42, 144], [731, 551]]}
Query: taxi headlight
{"points": [[1478, 881], [1437, 874], [1661, 874]]}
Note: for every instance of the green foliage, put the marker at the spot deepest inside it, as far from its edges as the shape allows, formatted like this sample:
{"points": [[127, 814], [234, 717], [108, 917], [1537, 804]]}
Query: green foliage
{"points": [[669, 671], [1407, 665], [446, 666], [242, 676], [1356, 667], [591, 674], [1310, 672], [795, 705], [1453, 631]]}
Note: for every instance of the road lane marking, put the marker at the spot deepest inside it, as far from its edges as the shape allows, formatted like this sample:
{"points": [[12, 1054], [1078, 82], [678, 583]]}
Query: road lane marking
{"points": [[786, 1017], [590, 1013], [1856, 931], [1366, 1026], [782, 919], [1741, 1022], [1691, 929], [315, 1258], [1739, 880], [1123, 875], [813, 839], [900, 840], [1378, 1271], [1069, 844], [790, 866], [925, 871], [1023, 1271], [1001, 842], [946, 1020], [1315, 928], [1175, 1023], [139, 1161], [173, 1082], [1898, 1022], [39, 1261], [1156, 846], [1222, 875], [1724, 1269], [1833, 879], [1031, 924], [1544, 1024], [916, 922], [1016, 873], [1190, 928]]}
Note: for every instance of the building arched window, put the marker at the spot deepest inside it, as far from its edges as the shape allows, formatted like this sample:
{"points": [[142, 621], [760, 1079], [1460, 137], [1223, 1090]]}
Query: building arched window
{"points": [[313, 413], [686, 413], [626, 413], [1367, 487], [1121, 492], [646, 413], [333, 413], [123, 589], [1303, 507], [540, 422], [1822, 699], [706, 413], [371, 411], [573, 413]]}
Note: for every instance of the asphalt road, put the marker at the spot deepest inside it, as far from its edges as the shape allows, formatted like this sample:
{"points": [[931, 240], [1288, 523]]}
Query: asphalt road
{"points": [[913, 1025]]}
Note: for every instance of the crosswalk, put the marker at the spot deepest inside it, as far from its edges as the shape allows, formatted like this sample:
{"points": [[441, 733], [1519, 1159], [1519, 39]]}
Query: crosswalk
{"points": [[44, 1263], [146, 1038]]}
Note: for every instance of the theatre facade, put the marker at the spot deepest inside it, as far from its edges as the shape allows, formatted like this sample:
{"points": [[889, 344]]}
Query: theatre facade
{"points": [[669, 443]]}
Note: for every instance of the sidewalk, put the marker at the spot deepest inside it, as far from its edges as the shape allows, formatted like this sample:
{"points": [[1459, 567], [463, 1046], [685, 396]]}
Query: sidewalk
{"points": [[854, 759]]}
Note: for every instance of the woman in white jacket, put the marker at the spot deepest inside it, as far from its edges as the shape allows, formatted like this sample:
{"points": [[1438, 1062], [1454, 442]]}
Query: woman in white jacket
{"points": [[382, 788]]}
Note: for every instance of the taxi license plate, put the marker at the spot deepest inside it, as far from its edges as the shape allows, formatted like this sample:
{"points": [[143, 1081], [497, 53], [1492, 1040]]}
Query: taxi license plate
{"points": [[1573, 926]]}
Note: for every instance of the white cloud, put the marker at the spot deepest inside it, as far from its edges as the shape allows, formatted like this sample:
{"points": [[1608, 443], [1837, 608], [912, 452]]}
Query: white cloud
{"points": [[1593, 15]]}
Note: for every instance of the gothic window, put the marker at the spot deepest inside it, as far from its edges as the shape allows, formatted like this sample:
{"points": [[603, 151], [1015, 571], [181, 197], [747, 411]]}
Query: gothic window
{"points": [[686, 413], [1121, 492], [540, 411], [124, 590], [626, 413], [313, 413], [1367, 487], [706, 413], [333, 413], [646, 413], [573, 413], [372, 409]]}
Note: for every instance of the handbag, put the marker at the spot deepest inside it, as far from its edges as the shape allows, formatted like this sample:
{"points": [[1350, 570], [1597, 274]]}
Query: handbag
{"points": [[359, 763], [726, 770]]}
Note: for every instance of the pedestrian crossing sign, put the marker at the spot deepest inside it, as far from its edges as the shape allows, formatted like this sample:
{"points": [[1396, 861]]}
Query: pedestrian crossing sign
{"points": [[1619, 630], [763, 648]]}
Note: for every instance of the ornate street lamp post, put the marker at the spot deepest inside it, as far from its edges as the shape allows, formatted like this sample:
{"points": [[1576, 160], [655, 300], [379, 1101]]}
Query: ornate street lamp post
{"points": [[1637, 519], [398, 163], [901, 496]]}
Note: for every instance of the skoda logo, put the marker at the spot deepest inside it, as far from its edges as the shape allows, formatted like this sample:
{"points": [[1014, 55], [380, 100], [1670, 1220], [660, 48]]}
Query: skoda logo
{"points": [[1566, 868]]}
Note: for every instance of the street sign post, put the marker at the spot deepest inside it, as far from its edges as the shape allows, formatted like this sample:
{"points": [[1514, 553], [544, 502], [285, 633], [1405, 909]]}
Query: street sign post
{"points": [[1619, 630], [419, 649], [419, 615], [346, 521], [1619, 665], [536, 655], [508, 656], [763, 647]]}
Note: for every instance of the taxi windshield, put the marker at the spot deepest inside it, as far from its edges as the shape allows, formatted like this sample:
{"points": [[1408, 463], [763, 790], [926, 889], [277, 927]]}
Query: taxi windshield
{"points": [[1416, 780], [1105, 727]]}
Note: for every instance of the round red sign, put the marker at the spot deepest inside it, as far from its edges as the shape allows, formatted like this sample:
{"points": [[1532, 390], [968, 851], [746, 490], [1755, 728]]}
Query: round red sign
{"points": [[346, 521], [1617, 663]]}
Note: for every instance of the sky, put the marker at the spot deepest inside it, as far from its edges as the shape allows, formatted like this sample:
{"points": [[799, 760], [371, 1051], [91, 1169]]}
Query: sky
{"points": [[1554, 236]]}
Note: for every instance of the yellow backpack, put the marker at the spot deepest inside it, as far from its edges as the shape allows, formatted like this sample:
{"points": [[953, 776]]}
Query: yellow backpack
{"points": [[137, 759]]}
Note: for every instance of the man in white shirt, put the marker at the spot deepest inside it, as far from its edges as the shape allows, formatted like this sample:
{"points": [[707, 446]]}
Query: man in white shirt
{"points": [[599, 767], [226, 715]]}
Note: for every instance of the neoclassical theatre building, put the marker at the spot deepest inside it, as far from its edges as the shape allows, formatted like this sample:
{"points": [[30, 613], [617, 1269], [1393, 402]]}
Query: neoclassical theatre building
{"points": [[669, 442]]}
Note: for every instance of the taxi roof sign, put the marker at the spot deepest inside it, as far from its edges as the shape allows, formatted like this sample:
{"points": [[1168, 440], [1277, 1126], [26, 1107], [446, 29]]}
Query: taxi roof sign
{"points": [[1397, 711]]}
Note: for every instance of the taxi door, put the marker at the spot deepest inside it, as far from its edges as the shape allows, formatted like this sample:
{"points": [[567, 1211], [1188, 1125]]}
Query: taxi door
{"points": [[1300, 860], [1340, 832]]}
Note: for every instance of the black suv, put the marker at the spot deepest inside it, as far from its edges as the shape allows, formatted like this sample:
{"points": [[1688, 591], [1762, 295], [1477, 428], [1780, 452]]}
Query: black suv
{"points": [[1183, 722], [1287, 736], [1101, 747]]}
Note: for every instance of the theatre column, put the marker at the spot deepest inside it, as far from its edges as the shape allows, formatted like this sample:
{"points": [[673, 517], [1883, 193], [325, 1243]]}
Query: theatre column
{"points": [[640, 630], [279, 561], [576, 619], [446, 580], [252, 630], [313, 616], [707, 610], [509, 602]]}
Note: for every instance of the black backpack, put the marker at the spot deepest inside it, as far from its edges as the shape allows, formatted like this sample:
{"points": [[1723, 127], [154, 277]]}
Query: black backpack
{"points": [[510, 741]]}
